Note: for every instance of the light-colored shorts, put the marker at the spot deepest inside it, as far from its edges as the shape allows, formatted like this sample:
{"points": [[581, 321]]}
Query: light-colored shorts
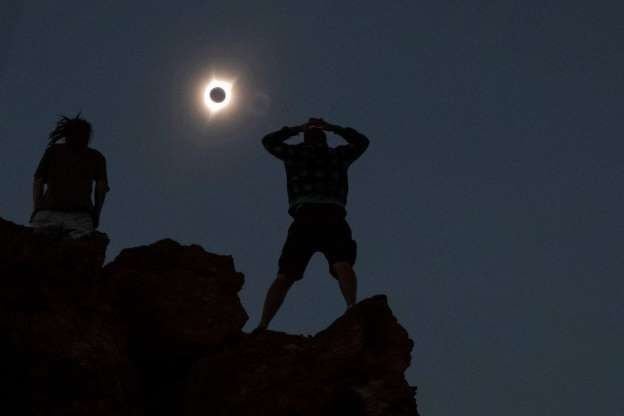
{"points": [[63, 224]]}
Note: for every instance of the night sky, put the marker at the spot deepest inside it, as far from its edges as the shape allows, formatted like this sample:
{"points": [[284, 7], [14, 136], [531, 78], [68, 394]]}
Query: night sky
{"points": [[488, 206]]}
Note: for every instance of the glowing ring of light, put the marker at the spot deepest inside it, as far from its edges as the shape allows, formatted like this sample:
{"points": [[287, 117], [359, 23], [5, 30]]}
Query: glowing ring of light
{"points": [[214, 106]]}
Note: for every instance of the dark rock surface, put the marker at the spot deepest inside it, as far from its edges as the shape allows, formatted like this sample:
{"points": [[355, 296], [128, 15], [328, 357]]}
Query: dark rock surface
{"points": [[354, 367], [177, 300], [158, 332], [178, 303], [61, 353]]}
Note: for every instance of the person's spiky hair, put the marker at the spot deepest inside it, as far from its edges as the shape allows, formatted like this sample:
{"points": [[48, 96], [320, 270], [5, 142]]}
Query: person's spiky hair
{"points": [[76, 131]]}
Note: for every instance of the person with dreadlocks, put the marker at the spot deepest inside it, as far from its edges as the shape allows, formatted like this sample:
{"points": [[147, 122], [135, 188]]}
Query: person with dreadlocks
{"points": [[63, 182], [317, 183]]}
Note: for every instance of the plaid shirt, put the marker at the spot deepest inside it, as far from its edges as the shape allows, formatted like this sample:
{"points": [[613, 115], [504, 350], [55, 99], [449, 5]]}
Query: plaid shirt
{"points": [[316, 173]]}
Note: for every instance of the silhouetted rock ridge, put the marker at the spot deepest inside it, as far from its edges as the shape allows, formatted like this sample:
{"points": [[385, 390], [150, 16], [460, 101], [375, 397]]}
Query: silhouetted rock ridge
{"points": [[158, 332]]}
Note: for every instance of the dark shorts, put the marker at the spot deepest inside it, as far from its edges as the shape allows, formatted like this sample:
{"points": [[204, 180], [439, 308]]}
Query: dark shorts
{"points": [[317, 228]]}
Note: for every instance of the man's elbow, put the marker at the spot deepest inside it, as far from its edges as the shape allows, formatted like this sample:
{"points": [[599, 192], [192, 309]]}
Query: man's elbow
{"points": [[356, 138], [272, 145], [266, 141], [363, 142]]}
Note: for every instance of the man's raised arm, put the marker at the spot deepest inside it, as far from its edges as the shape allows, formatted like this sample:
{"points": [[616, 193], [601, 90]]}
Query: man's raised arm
{"points": [[274, 142], [357, 142]]}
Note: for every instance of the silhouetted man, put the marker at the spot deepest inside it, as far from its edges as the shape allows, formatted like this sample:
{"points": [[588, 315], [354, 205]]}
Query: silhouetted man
{"points": [[317, 194], [64, 179]]}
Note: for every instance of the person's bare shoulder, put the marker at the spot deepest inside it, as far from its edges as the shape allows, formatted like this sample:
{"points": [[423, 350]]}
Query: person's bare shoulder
{"points": [[96, 154]]}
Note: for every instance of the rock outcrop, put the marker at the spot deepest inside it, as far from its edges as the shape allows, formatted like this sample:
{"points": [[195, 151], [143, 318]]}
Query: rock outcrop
{"points": [[158, 332], [61, 352], [354, 367]]}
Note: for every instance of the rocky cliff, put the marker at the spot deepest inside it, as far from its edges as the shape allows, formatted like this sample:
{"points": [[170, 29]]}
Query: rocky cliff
{"points": [[158, 332]]}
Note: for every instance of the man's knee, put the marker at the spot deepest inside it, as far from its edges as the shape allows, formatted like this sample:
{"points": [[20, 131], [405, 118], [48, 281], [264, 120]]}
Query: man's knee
{"points": [[285, 280], [342, 269], [290, 271]]}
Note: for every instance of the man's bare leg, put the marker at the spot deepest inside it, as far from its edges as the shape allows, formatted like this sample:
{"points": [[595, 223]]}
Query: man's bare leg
{"points": [[274, 299], [348, 282]]}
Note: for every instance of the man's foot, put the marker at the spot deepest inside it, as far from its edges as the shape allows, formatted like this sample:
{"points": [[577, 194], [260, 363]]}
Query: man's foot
{"points": [[260, 328]]}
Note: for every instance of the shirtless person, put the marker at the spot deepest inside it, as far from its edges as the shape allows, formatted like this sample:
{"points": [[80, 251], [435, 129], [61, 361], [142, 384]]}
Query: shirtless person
{"points": [[63, 183]]}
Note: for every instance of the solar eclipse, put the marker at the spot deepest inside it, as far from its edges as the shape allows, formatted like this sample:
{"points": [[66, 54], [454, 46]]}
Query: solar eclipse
{"points": [[217, 95]]}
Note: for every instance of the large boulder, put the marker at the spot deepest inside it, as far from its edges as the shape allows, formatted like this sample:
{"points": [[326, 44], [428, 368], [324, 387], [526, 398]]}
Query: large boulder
{"points": [[354, 367], [59, 354], [37, 270], [178, 301]]}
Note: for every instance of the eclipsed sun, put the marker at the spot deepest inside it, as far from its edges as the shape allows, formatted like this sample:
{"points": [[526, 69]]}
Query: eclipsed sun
{"points": [[217, 95]]}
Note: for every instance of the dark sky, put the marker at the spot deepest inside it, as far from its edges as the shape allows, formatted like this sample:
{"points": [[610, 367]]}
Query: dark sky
{"points": [[488, 206]]}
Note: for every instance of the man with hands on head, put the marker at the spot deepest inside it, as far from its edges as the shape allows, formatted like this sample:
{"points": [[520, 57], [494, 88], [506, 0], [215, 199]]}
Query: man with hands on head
{"points": [[317, 185]]}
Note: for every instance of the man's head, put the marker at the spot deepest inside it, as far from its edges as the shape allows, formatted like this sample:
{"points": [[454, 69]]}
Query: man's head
{"points": [[314, 136], [76, 131]]}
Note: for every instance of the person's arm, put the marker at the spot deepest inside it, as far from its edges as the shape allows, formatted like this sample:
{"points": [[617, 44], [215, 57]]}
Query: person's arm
{"points": [[274, 142], [357, 142], [101, 188], [39, 180], [38, 188]]}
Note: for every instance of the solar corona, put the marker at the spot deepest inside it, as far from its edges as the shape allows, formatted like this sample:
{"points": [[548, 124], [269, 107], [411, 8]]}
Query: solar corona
{"points": [[217, 95]]}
